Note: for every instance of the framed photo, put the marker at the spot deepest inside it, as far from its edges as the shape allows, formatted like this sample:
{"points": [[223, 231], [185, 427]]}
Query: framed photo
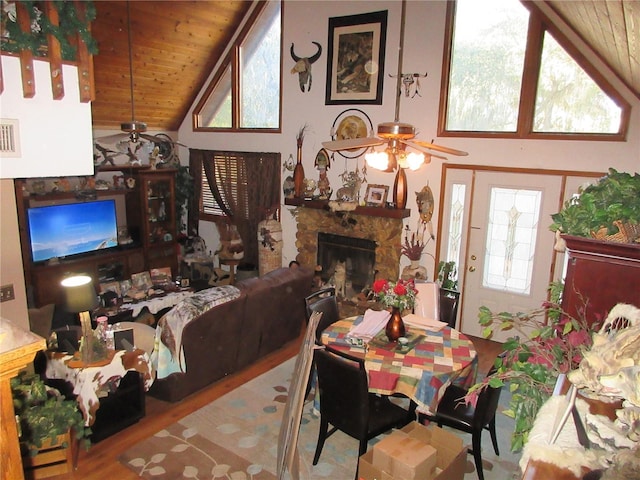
{"points": [[110, 287], [355, 59], [161, 276], [141, 281], [125, 286], [376, 195]]}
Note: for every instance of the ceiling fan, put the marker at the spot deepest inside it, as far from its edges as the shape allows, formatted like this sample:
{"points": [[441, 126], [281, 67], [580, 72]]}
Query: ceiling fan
{"points": [[397, 136], [134, 130]]}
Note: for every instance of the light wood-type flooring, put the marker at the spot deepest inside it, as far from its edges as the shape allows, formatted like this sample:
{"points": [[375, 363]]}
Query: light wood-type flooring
{"points": [[101, 461]]}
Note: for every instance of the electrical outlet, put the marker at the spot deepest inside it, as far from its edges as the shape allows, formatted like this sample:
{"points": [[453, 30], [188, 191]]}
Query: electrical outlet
{"points": [[7, 293]]}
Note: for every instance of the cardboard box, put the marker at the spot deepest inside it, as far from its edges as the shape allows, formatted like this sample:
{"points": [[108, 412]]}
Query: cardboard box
{"points": [[449, 463], [366, 470], [404, 457], [452, 453]]}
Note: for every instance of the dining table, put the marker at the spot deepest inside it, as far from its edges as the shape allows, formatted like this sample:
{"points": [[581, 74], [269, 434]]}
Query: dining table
{"points": [[421, 369]]}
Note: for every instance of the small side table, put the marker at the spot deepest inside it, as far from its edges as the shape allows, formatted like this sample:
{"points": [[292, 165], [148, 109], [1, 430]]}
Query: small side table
{"points": [[232, 264]]}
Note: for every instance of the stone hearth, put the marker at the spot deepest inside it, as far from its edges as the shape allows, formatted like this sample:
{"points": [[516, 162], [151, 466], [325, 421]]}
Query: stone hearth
{"points": [[385, 231]]}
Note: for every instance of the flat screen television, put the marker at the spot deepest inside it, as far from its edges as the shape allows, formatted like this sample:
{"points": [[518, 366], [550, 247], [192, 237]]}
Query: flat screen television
{"points": [[59, 231]]}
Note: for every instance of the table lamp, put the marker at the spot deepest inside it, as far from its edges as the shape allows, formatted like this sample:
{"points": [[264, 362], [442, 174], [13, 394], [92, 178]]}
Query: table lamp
{"points": [[80, 297]]}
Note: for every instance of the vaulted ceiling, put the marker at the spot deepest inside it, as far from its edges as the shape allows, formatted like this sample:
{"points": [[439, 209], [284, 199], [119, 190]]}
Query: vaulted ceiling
{"points": [[176, 44]]}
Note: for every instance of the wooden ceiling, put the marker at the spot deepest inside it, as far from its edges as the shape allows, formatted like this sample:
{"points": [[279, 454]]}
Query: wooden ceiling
{"points": [[176, 44]]}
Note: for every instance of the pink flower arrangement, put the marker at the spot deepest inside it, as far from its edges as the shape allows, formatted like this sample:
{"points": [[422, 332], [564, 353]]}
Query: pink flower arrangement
{"points": [[401, 294]]}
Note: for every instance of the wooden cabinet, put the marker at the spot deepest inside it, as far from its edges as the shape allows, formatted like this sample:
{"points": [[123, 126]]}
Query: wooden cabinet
{"points": [[102, 267], [601, 274], [151, 217]]}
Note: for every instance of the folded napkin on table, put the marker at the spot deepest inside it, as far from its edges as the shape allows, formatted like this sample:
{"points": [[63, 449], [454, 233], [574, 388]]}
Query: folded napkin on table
{"points": [[372, 322], [414, 320]]}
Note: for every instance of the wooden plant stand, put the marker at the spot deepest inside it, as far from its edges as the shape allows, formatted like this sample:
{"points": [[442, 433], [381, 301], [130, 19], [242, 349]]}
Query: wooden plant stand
{"points": [[54, 458]]}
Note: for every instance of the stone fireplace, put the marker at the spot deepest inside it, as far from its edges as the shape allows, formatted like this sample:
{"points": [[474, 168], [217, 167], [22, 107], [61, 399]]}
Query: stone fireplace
{"points": [[382, 228]]}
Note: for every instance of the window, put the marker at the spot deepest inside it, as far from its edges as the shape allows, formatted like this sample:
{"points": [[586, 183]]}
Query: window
{"points": [[509, 74], [245, 93]]}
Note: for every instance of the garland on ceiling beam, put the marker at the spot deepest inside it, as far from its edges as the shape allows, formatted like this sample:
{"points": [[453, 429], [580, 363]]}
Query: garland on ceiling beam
{"points": [[14, 40]]}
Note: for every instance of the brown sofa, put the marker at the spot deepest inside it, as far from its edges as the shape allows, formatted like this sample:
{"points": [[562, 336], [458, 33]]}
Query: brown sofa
{"points": [[269, 312]]}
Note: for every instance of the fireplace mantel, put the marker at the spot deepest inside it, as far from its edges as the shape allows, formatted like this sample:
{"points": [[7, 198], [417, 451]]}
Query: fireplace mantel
{"points": [[369, 211]]}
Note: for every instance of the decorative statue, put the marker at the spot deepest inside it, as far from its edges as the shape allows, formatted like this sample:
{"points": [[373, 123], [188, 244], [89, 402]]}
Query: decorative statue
{"points": [[303, 67]]}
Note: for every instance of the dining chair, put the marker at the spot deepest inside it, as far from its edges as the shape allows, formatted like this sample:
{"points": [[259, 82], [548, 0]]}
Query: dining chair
{"points": [[449, 300], [453, 412], [427, 300], [346, 404], [325, 302]]}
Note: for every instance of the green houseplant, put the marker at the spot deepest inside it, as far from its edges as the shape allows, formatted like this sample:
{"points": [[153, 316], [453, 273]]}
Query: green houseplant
{"points": [[608, 209], [546, 343], [44, 414]]}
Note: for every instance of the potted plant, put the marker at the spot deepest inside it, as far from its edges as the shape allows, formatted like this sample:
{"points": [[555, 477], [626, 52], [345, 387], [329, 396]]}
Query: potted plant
{"points": [[413, 248], [546, 343], [45, 416], [448, 275], [607, 210]]}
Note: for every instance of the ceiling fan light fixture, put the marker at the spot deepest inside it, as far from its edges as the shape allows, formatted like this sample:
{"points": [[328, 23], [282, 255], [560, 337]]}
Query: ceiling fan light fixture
{"points": [[377, 160], [411, 160]]}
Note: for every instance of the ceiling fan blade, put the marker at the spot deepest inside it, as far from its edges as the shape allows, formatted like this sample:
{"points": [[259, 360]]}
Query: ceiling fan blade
{"points": [[161, 139], [437, 148], [114, 138], [422, 149], [352, 143]]}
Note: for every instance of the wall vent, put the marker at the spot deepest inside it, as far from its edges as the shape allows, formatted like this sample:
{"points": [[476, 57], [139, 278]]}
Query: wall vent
{"points": [[9, 138]]}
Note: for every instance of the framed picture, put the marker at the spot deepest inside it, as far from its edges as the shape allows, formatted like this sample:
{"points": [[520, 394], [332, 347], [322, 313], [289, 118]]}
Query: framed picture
{"points": [[141, 281], [161, 276], [355, 59], [110, 287], [125, 286], [376, 195]]}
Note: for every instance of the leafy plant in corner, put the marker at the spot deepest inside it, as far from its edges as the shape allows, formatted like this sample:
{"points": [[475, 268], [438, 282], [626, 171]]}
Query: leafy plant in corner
{"points": [[612, 201], [44, 413], [547, 343], [448, 275]]}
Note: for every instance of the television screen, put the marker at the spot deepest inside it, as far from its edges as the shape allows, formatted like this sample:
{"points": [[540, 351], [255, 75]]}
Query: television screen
{"points": [[61, 230]]}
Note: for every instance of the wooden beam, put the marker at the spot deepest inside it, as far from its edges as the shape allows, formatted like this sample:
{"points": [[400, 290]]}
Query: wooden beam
{"points": [[54, 53], [26, 57], [85, 60]]}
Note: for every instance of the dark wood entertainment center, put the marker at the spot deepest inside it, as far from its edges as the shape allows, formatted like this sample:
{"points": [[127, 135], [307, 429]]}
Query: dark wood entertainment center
{"points": [[145, 196]]}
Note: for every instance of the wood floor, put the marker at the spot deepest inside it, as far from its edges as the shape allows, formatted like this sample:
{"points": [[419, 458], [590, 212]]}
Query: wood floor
{"points": [[101, 461]]}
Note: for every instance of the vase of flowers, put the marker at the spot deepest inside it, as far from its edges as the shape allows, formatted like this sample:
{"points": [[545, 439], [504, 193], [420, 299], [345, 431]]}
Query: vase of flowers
{"points": [[398, 296]]}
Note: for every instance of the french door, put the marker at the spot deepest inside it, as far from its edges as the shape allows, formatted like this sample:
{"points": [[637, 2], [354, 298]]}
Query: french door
{"points": [[495, 225]]}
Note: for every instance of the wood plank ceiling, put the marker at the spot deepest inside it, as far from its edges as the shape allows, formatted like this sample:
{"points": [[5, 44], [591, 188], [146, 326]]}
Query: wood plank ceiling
{"points": [[176, 44]]}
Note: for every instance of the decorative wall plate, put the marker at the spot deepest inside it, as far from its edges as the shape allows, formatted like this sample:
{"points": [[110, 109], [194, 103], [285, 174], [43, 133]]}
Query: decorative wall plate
{"points": [[350, 124]]}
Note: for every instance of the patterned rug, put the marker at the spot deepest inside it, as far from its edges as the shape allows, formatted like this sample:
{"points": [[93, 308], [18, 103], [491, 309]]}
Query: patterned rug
{"points": [[236, 436]]}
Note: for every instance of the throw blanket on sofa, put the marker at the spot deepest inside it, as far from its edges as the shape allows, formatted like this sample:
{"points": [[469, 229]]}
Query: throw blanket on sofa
{"points": [[168, 355]]}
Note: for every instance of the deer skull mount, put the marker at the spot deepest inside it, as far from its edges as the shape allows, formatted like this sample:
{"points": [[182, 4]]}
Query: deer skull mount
{"points": [[303, 67]]}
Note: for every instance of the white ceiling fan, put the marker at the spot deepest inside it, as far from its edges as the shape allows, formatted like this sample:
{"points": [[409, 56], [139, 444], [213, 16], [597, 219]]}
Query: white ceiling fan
{"points": [[396, 135]]}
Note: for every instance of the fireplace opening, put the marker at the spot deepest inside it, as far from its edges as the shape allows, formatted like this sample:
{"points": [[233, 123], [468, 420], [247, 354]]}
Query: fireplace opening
{"points": [[356, 255]]}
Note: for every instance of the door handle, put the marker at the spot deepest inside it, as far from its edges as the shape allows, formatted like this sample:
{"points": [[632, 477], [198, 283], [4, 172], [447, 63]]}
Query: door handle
{"points": [[472, 269]]}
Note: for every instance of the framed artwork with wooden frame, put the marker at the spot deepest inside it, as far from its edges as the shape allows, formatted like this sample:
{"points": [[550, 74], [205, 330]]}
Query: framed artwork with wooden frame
{"points": [[376, 195], [355, 59]]}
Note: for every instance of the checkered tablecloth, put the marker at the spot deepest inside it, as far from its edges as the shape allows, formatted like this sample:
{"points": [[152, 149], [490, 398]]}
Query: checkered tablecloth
{"points": [[423, 373]]}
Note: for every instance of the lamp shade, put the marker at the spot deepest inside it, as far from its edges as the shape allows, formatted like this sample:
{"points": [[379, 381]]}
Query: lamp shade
{"points": [[80, 296]]}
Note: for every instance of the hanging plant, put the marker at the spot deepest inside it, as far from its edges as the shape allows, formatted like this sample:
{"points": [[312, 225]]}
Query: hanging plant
{"points": [[14, 40]]}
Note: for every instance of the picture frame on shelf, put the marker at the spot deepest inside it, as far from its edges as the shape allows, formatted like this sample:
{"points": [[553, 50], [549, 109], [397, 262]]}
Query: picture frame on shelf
{"points": [[355, 59], [141, 281], [110, 287], [376, 195], [160, 276]]}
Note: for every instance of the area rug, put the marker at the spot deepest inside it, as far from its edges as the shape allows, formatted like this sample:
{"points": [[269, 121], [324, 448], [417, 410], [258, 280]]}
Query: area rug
{"points": [[236, 436]]}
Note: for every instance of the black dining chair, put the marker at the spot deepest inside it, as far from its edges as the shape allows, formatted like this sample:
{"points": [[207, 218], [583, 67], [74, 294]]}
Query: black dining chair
{"points": [[346, 404], [449, 300], [453, 412], [325, 302]]}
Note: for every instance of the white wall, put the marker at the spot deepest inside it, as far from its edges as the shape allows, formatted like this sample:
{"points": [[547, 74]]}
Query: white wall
{"points": [[305, 22], [55, 135]]}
